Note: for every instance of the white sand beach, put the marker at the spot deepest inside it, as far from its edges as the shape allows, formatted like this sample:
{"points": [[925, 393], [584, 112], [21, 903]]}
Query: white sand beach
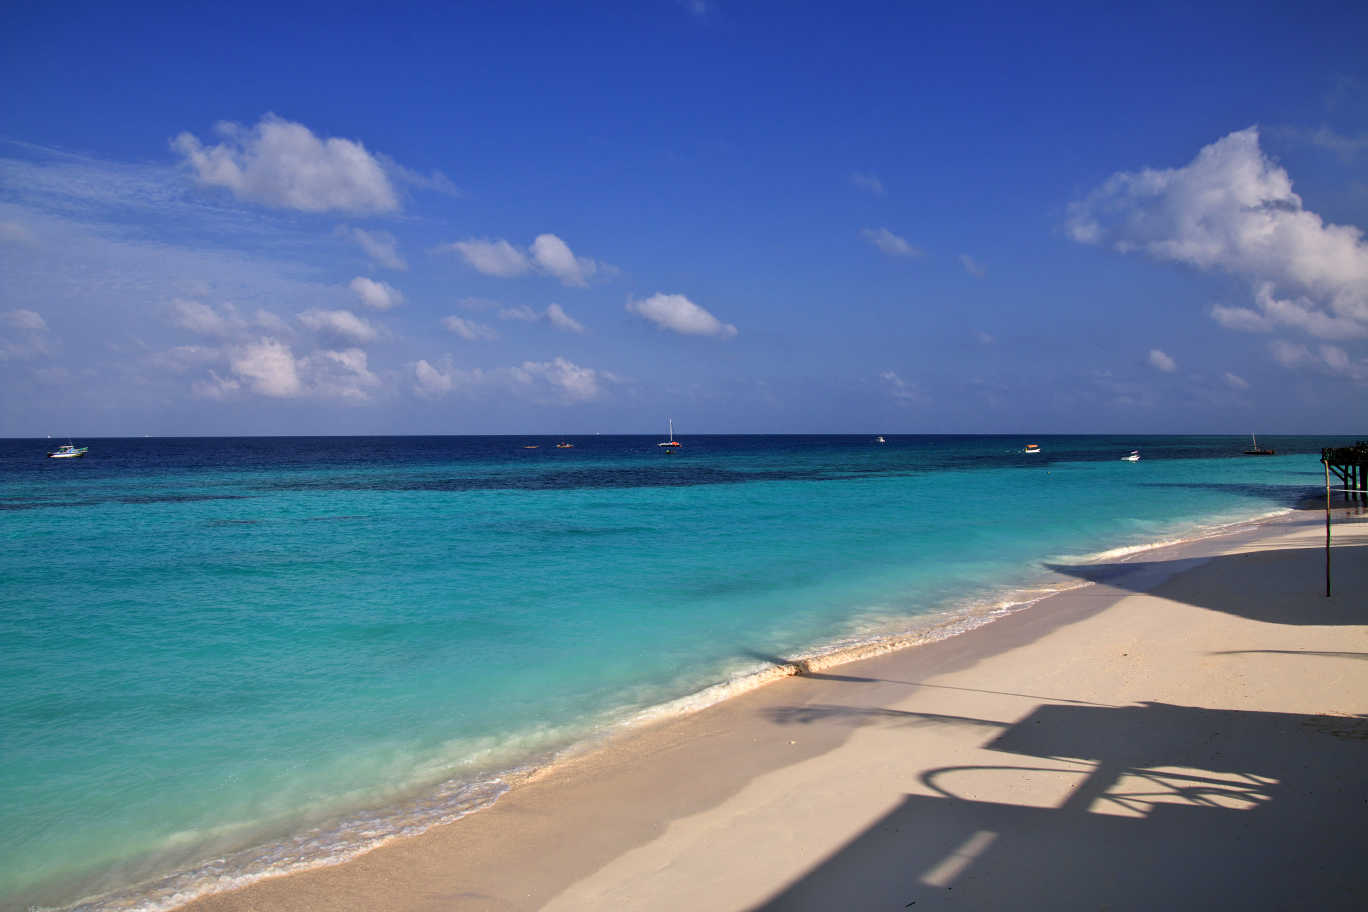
{"points": [[1189, 731]]}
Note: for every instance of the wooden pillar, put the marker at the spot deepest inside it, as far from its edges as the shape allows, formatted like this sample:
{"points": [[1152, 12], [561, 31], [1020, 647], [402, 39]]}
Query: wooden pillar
{"points": [[1327, 528]]}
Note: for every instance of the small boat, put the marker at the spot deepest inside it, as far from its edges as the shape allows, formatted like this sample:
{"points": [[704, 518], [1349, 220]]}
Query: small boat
{"points": [[1133, 457], [1255, 449], [670, 444], [1031, 449], [67, 452], [880, 439], [532, 446], [565, 446]]}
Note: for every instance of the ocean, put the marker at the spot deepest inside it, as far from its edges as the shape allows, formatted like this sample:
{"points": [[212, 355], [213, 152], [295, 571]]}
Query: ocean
{"points": [[226, 658]]}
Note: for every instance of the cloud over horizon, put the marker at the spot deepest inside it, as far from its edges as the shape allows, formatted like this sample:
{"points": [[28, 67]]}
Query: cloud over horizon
{"points": [[558, 381], [268, 367]]}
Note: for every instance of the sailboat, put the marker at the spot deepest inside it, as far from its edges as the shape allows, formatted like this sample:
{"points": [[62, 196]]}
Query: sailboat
{"points": [[1255, 449], [670, 444]]}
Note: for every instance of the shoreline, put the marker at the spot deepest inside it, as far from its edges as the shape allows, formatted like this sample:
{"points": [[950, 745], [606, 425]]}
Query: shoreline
{"points": [[483, 845], [365, 831]]}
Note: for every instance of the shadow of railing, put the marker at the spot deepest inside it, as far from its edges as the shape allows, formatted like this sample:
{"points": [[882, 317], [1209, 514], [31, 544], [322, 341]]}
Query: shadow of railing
{"points": [[1158, 807]]}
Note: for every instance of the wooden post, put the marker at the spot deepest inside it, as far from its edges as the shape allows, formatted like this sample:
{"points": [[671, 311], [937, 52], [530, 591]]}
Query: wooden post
{"points": [[1327, 528]]}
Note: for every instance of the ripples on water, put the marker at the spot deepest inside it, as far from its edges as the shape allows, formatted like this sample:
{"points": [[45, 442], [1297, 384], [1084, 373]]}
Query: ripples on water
{"points": [[223, 657]]}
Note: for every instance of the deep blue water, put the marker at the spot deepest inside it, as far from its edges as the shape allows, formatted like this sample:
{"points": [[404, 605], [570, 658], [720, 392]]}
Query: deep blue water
{"points": [[222, 657]]}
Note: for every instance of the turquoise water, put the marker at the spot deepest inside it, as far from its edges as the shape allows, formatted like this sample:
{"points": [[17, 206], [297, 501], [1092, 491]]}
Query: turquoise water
{"points": [[223, 658]]}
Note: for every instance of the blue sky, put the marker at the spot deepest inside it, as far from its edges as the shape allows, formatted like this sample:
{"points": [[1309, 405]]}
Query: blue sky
{"points": [[750, 217]]}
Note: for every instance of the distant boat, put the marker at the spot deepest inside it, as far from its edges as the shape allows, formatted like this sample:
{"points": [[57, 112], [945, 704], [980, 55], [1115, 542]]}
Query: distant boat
{"points": [[670, 444], [532, 446], [1256, 450], [67, 452], [1031, 449], [564, 446], [880, 439], [1133, 457]]}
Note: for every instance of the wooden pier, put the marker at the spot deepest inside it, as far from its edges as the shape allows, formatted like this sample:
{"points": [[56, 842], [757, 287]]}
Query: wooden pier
{"points": [[1350, 466]]}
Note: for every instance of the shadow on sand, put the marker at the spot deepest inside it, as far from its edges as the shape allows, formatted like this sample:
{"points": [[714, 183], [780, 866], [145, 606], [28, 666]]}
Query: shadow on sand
{"points": [[1173, 807], [1282, 579]]}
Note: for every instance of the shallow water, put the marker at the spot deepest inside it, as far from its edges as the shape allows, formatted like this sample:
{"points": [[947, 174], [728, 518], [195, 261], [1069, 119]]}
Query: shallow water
{"points": [[225, 657]]}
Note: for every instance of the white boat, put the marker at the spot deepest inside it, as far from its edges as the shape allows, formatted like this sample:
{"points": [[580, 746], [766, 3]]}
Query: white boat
{"points": [[1031, 449], [670, 444], [1133, 457], [67, 452], [880, 439]]}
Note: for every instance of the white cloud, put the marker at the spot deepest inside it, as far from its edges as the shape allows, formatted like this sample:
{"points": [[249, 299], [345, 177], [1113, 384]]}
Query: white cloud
{"points": [[1232, 209], [264, 319], [678, 314], [900, 389], [268, 366], [889, 242], [216, 387], [547, 253], [381, 246], [562, 320], [495, 258], [1336, 358], [1290, 354], [341, 375], [21, 318], [283, 164], [568, 381], [340, 324], [1235, 381], [557, 381], [202, 319], [520, 312], [553, 255], [985, 338], [1346, 147], [431, 383], [435, 181], [1241, 318], [1160, 361], [376, 295], [869, 182], [1299, 313], [469, 329], [972, 266], [182, 358], [32, 341]]}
